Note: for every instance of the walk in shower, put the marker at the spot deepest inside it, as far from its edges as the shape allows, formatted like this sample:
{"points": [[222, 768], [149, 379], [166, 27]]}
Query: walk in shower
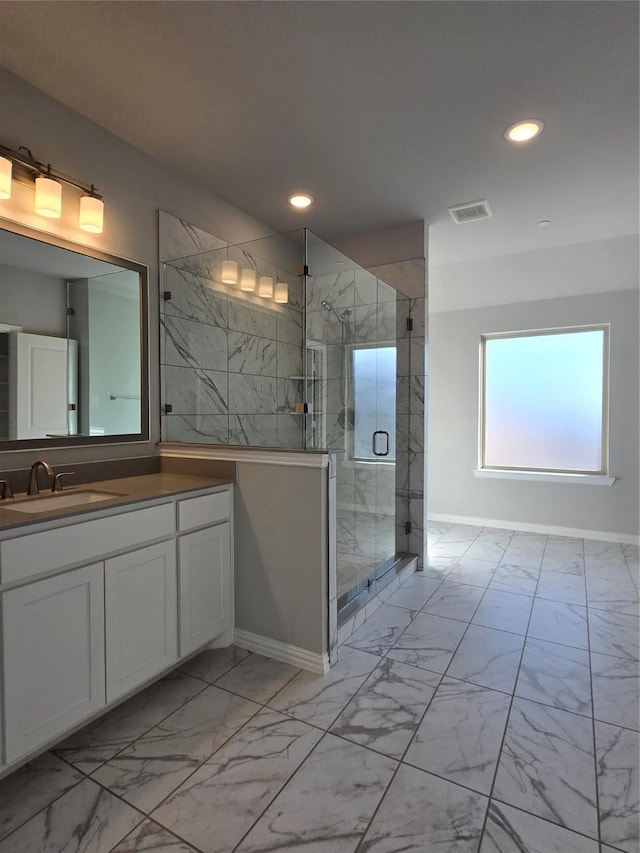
{"points": [[285, 342]]}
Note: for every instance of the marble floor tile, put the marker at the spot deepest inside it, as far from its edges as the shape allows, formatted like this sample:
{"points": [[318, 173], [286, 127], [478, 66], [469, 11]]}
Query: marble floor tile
{"points": [[569, 564], [414, 597], [452, 822], [438, 567], [599, 548], [547, 766], [558, 622], [614, 634], [33, 787], [557, 586], [525, 550], [151, 837], [386, 710], [454, 600], [257, 678], [429, 642], [461, 734], [474, 572], [106, 736], [213, 663], [147, 771], [604, 594], [504, 611], [488, 657], [318, 699], [606, 567], [518, 579], [482, 549], [380, 632], [617, 753], [450, 548], [564, 545], [327, 804], [87, 819], [616, 688], [221, 801], [510, 830], [555, 675]]}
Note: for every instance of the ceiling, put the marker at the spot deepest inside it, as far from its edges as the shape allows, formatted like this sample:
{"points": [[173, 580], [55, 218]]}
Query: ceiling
{"points": [[387, 112]]}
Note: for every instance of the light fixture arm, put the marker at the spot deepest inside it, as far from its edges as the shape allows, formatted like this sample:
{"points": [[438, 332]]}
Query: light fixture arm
{"points": [[29, 168]]}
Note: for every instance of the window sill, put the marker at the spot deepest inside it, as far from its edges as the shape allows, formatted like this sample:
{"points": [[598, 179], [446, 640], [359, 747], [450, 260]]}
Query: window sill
{"points": [[545, 477]]}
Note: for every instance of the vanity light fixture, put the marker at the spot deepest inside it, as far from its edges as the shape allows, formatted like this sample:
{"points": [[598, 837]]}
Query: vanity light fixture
{"points": [[248, 280], [265, 286], [282, 293], [523, 131], [48, 196], [300, 200], [20, 165], [6, 166]]}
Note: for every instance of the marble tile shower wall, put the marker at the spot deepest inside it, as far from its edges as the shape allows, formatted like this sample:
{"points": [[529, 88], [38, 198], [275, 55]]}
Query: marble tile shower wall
{"points": [[228, 357]]}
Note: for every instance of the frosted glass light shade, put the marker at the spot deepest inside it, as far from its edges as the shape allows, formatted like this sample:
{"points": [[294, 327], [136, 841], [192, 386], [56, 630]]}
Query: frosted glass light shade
{"points": [[248, 280], [5, 177], [229, 272], [48, 197], [91, 214], [282, 293], [265, 287]]}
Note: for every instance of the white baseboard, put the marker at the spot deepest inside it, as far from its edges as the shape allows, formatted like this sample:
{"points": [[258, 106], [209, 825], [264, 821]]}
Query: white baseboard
{"points": [[548, 529], [313, 661]]}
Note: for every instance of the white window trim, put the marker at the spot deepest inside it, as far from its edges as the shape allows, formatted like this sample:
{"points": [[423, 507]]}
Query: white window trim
{"points": [[600, 478], [545, 477]]}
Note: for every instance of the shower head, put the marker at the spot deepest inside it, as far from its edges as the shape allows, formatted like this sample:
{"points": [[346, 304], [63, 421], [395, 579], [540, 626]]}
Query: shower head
{"points": [[329, 307]]}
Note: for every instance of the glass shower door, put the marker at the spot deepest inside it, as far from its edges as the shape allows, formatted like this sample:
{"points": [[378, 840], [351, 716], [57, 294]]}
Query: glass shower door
{"points": [[351, 389]]}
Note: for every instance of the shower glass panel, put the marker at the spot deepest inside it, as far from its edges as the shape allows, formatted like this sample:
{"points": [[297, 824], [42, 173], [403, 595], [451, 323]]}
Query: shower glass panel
{"points": [[351, 391], [242, 366]]}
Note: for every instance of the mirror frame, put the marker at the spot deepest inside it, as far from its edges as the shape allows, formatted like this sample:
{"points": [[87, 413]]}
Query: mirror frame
{"points": [[143, 272]]}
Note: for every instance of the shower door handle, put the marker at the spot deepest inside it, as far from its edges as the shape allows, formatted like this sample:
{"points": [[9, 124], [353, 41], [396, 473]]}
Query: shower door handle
{"points": [[374, 443]]}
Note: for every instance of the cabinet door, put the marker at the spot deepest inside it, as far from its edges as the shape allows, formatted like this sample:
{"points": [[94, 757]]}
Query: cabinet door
{"points": [[53, 655], [141, 608], [205, 586]]}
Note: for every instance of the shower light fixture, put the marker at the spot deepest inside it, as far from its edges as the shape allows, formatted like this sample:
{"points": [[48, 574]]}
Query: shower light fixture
{"points": [[282, 293], [265, 286], [20, 165], [248, 280], [229, 272]]}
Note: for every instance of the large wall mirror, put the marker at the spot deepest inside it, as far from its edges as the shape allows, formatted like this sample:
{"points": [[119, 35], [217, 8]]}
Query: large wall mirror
{"points": [[73, 344]]}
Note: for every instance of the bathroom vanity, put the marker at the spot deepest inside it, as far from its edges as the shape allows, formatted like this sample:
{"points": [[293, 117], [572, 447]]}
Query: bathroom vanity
{"points": [[101, 597]]}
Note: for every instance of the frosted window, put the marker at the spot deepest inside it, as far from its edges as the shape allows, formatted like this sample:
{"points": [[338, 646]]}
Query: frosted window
{"points": [[374, 396], [543, 401]]}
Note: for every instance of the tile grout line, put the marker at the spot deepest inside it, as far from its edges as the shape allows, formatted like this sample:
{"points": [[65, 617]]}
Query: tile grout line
{"points": [[593, 711], [508, 717]]}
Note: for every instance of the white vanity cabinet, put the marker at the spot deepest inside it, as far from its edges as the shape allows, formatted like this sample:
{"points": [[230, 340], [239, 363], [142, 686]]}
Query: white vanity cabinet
{"points": [[53, 654], [97, 606], [141, 616]]}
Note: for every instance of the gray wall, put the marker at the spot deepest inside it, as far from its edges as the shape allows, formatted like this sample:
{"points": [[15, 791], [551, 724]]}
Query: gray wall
{"points": [[281, 530], [134, 187], [35, 301], [453, 418]]}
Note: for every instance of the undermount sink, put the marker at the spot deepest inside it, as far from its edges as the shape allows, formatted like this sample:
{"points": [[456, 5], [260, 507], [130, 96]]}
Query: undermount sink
{"points": [[59, 501]]}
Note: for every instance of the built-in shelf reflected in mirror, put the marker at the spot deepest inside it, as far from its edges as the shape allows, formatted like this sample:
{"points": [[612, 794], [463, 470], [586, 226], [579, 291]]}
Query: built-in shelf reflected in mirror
{"points": [[73, 344]]}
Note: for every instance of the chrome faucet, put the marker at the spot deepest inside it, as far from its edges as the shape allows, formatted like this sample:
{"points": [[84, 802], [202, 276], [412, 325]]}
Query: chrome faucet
{"points": [[32, 488]]}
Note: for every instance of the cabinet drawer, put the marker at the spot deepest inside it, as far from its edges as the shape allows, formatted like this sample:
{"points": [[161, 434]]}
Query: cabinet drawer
{"points": [[207, 509], [81, 543]]}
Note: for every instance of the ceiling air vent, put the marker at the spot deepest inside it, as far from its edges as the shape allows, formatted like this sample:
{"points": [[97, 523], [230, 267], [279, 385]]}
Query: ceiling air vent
{"points": [[470, 211]]}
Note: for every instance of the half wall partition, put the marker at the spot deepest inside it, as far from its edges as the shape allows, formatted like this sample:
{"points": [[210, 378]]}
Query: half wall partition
{"points": [[243, 367]]}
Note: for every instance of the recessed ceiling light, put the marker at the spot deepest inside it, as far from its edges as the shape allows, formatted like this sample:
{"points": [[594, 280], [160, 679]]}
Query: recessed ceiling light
{"points": [[523, 131], [300, 200]]}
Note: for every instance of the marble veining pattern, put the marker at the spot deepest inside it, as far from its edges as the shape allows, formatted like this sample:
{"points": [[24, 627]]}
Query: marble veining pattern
{"points": [[396, 748]]}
